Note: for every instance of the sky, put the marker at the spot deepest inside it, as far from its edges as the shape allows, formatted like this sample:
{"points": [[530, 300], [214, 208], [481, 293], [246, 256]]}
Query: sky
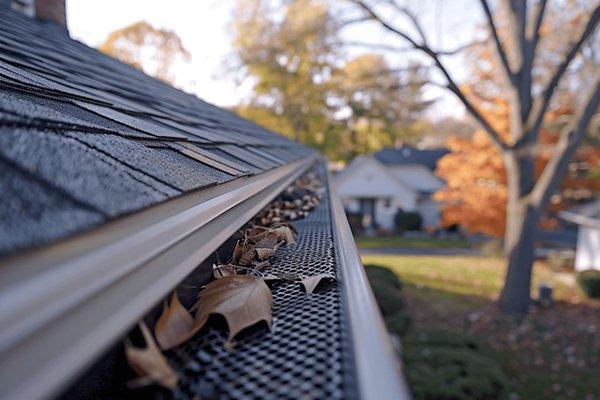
{"points": [[204, 27]]}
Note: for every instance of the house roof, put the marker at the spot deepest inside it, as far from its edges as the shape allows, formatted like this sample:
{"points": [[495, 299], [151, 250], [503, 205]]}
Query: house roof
{"points": [[587, 214], [85, 138], [410, 155]]}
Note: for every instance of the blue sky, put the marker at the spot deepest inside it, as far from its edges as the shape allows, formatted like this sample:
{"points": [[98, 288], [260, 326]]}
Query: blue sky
{"points": [[204, 27]]}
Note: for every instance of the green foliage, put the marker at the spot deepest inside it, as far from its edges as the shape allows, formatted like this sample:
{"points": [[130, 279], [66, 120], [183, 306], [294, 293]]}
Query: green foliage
{"points": [[408, 221], [388, 297], [589, 281], [306, 87], [379, 273], [355, 221], [386, 287], [450, 372], [439, 337], [398, 323]]}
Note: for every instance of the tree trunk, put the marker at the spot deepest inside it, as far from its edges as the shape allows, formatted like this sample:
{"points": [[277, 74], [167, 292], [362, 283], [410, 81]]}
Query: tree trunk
{"points": [[515, 296], [521, 228]]}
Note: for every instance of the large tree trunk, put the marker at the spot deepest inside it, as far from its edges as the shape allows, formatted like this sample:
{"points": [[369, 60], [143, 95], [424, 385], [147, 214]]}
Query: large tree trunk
{"points": [[521, 228]]}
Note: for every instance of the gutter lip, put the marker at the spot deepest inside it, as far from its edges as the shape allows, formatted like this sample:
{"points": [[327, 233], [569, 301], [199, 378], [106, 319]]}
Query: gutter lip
{"points": [[378, 369], [45, 294]]}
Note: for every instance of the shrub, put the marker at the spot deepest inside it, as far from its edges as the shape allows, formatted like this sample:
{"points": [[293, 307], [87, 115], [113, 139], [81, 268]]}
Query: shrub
{"points": [[398, 323], [379, 273], [386, 287], [388, 298], [453, 373], [589, 281], [408, 221], [355, 222], [438, 337]]}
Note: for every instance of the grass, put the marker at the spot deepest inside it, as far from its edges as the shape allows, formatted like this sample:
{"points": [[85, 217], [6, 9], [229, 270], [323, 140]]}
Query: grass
{"points": [[379, 242], [550, 353]]}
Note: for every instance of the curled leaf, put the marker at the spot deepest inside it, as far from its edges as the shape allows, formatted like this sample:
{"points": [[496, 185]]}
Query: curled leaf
{"points": [[149, 363], [310, 283], [221, 271], [243, 300], [284, 233], [174, 325]]}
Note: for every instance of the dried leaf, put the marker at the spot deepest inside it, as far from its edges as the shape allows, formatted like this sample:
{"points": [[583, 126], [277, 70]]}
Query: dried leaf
{"points": [[243, 300], [256, 232], [248, 255], [262, 265], [221, 271], [264, 253], [149, 363], [268, 242], [284, 233], [174, 325], [311, 282]]}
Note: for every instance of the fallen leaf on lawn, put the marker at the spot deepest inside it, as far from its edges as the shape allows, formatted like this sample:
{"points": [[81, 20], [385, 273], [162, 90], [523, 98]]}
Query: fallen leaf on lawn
{"points": [[149, 363], [221, 271], [243, 300], [174, 324], [311, 282]]}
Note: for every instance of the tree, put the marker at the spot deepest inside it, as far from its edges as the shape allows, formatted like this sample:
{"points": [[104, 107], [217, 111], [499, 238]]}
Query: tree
{"points": [[289, 58], [151, 50], [529, 103], [305, 87], [382, 106]]}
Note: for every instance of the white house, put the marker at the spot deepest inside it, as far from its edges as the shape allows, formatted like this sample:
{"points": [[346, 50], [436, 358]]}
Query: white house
{"points": [[378, 185], [587, 217]]}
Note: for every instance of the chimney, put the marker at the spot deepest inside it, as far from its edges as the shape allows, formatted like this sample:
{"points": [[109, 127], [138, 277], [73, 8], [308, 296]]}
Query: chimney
{"points": [[52, 10], [45, 10]]}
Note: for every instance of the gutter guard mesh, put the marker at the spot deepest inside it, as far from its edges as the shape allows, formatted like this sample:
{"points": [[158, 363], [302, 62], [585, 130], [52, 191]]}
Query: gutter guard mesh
{"points": [[304, 355]]}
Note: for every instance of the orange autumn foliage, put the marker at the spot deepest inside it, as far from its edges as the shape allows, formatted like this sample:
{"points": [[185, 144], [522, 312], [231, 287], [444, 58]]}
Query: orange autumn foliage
{"points": [[475, 194]]}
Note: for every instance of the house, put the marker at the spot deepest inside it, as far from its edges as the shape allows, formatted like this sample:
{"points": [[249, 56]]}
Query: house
{"points": [[117, 190], [402, 178], [587, 218]]}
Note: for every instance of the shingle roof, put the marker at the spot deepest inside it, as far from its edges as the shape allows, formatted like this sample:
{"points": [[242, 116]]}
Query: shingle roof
{"points": [[85, 138], [410, 155]]}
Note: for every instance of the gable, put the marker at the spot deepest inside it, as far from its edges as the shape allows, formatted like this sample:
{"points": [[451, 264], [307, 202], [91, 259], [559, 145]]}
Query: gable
{"points": [[365, 177], [418, 177]]}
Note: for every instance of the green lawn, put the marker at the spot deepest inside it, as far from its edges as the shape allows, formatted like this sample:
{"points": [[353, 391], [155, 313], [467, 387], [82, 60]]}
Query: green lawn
{"points": [[550, 353], [379, 242]]}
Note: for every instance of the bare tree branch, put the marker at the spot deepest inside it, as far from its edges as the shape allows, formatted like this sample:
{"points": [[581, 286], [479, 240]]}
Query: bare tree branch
{"points": [[538, 17], [383, 46], [541, 104], [413, 18], [565, 149], [499, 48], [452, 86]]}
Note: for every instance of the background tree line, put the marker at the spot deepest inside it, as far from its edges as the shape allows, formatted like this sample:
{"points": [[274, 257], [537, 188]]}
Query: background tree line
{"points": [[532, 93]]}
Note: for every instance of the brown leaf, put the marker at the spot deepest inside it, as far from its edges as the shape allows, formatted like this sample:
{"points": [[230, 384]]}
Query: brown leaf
{"points": [[284, 233], [311, 282], [243, 300], [256, 232], [174, 325], [262, 265], [247, 256], [221, 271], [268, 242], [149, 363]]}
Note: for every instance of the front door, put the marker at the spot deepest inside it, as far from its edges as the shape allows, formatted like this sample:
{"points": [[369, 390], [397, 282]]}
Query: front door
{"points": [[367, 208]]}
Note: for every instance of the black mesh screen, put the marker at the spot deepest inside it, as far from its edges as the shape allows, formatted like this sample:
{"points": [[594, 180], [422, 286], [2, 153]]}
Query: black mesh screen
{"points": [[303, 356]]}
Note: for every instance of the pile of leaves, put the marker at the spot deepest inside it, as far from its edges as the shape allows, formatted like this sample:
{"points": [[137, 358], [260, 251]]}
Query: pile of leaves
{"points": [[240, 291]]}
